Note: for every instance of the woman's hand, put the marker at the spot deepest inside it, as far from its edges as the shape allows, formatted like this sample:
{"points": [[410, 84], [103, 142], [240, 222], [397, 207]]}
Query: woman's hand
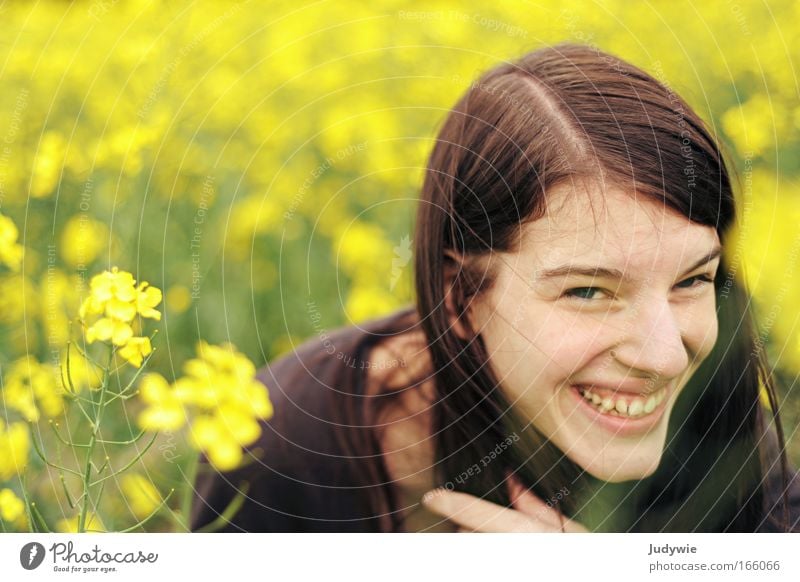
{"points": [[472, 514]]}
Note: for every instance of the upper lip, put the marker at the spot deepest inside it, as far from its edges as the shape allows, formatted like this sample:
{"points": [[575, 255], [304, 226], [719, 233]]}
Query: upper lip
{"points": [[623, 386]]}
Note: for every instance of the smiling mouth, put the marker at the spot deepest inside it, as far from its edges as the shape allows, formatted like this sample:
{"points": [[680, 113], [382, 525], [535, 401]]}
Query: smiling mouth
{"points": [[625, 405]]}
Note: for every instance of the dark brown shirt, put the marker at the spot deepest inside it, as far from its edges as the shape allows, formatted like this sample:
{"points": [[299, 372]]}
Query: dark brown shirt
{"points": [[297, 478]]}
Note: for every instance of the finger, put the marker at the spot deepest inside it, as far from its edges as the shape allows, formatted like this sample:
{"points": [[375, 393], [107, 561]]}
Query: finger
{"points": [[522, 498], [475, 514], [529, 503]]}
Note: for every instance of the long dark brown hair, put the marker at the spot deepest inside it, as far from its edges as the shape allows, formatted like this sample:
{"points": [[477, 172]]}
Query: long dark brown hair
{"points": [[570, 113]]}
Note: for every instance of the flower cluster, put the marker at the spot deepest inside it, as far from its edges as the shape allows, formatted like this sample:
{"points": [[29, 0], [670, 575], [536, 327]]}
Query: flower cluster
{"points": [[12, 508], [14, 446], [140, 494], [116, 300], [32, 388], [220, 393], [10, 250]]}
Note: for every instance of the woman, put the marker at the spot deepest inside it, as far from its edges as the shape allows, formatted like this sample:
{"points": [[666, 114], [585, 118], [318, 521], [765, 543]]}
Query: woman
{"points": [[579, 358]]}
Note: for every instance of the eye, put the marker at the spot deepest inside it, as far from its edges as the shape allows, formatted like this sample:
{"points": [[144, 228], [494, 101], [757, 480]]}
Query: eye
{"points": [[587, 293], [695, 282], [581, 292]]}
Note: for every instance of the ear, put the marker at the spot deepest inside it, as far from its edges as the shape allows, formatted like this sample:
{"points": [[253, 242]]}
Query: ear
{"points": [[453, 294]]}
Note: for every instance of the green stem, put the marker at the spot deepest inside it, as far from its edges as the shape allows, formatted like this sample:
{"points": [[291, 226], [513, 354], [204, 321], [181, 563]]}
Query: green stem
{"points": [[87, 474], [40, 522], [130, 463], [152, 513], [233, 507], [41, 455]]}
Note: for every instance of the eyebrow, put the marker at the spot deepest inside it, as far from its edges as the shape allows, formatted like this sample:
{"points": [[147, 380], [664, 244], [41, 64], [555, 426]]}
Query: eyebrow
{"points": [[602, 272]]}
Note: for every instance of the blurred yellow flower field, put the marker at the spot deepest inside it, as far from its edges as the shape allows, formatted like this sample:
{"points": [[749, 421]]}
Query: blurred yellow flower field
{"points": [[208, 171]]}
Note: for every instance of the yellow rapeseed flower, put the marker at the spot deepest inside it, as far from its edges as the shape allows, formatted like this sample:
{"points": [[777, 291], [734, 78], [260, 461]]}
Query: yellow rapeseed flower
{"points": [[82, 240], [17, 296], [117, 299], [140, 494], [220, 392], [107, 287], [33, 388], [179, 299], [222, 384], [368, 301], [164, 409], [147, 298], [48, 164], [135, 350], [210, 435], [12, 508], [10, 251], [108, 328], [14, 446]]}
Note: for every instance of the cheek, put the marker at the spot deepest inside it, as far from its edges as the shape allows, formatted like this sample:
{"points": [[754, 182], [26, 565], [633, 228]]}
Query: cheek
{"points": [[543, 323], [700, 328], [541, 348], [568, 341]]}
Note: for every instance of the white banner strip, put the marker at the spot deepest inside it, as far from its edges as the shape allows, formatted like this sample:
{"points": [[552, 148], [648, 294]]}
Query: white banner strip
{"points": [[401, 557]]}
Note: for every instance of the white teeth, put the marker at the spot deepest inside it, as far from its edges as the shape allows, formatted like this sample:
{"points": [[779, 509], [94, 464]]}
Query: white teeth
{"points": [[633, 408], [650, 405]]}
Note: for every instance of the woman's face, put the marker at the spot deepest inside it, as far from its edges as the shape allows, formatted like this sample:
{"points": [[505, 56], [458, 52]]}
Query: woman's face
{"points": [[597, 322]]}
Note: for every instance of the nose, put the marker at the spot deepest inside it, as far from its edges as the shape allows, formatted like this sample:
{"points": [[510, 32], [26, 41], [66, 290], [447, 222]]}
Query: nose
{"points": [[653, 343]]}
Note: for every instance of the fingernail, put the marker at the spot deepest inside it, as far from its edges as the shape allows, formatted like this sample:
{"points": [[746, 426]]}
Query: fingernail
{"points": [[431, 495]]}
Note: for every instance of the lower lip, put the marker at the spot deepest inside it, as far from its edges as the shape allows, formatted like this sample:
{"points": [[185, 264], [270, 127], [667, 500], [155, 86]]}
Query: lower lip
{"points": [[621, 425]]}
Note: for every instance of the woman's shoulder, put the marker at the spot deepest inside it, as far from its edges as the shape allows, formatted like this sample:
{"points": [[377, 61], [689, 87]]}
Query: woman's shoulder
{"points": [[331, 352], [328, 368]]}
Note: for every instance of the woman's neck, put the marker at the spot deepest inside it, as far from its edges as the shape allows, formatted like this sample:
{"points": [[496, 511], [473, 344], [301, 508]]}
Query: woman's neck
{"points": [[607, 507]]}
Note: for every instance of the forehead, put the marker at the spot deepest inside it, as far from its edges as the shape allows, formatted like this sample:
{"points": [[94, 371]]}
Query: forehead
{"points": [[610, 225]]}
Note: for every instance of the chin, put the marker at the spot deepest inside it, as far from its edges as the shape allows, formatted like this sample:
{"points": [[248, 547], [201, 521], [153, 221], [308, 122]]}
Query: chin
{"points": [[626, 466]]}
